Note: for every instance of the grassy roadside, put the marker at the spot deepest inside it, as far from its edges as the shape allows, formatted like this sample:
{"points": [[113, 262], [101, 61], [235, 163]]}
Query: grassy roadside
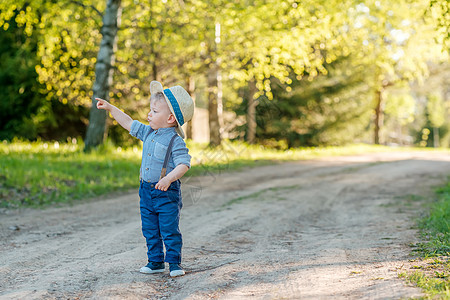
{"points": [[432, 272], [39, 173]]}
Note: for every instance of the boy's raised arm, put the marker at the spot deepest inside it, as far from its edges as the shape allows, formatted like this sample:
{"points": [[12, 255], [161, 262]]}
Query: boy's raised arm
{"points": [[122, 118]]}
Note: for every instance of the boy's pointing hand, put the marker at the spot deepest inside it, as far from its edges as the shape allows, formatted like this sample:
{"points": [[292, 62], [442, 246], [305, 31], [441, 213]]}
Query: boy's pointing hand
{"points": [[102, 104]]}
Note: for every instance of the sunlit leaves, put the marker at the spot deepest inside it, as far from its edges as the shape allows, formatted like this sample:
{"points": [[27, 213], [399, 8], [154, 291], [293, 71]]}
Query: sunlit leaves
{"points": [[268, 41], [400, 106], [436, 110], [439, 11]]}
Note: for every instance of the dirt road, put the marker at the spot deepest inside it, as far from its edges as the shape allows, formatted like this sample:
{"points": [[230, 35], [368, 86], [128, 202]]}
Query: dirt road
{"points": [[331, 228]]}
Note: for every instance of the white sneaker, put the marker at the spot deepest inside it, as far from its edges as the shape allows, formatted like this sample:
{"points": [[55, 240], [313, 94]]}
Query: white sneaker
{"points": [[153, 267], [176, 270]]}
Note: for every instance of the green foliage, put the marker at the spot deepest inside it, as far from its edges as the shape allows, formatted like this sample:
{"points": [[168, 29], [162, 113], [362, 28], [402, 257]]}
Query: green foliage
{"points": [[436, 120], [275, 44], [20, 101], [439, 13], [436, 110], [276, 39], [314, 113], [430, 102], [31, 106], [401, 107]]}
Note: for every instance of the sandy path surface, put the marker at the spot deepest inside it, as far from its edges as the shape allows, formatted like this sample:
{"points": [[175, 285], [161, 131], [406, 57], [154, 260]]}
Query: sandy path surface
{"points": [[330, 228]]}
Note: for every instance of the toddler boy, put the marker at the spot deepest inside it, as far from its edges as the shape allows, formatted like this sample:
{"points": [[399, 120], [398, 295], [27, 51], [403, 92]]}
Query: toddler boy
{"points": [[165, 159]]}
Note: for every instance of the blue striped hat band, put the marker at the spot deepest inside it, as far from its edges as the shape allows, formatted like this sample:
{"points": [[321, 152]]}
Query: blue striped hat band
{"points": [[175, 106]]}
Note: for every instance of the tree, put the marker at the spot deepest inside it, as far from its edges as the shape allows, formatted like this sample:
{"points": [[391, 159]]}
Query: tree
{"points": [[318, 112], [400, 112], [156, 41], [53, 116], [19, 88], [436, 115], [273, 40], [271, 54], [103, 73], [395, 43], [204, 50]]}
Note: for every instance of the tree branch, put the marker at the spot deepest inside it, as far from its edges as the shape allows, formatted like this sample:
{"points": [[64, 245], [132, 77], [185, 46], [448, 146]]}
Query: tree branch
{"points": [[87, 6]]}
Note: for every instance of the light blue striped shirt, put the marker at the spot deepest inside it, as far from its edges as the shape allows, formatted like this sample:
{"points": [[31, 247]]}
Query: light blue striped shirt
{"points": [[155, 148]]}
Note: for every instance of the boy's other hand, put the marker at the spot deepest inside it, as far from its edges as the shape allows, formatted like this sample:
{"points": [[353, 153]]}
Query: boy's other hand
{"points": [[102, 104], [163, 184]]}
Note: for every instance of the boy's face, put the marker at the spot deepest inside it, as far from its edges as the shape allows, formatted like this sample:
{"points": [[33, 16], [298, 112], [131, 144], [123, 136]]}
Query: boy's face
{"points": [[159, 115]]}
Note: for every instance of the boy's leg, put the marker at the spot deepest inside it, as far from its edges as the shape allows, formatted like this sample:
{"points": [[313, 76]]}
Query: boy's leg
{"points": [[150, 226], [169, 207], [168, 223]]}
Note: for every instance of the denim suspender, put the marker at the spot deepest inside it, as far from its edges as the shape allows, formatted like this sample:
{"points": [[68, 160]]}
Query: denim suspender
{"points": [[166, 159]]}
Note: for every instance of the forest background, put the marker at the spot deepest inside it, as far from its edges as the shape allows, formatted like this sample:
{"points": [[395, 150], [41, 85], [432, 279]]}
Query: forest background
{"points": [[279, 74], [286, 73]]}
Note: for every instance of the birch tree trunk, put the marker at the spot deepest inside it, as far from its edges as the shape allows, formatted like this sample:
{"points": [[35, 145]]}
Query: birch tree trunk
{"points": [[103, 74], [215, 106], [251, 113]]}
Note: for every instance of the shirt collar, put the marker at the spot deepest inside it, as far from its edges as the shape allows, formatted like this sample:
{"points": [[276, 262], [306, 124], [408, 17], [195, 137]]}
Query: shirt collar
{"points": [[165, 130]]}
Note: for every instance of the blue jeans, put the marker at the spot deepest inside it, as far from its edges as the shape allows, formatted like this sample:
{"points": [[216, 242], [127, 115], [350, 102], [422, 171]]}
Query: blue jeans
{"points": [[160, 215]]}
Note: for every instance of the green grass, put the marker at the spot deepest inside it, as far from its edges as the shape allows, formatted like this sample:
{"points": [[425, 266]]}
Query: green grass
{"points": [[435, 285], [44, 173], [434, 276], [36, 174], [436, 226]]}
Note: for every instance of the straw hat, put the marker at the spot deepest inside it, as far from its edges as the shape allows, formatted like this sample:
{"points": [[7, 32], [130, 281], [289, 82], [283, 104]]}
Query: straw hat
{"points": [[180, 103]]}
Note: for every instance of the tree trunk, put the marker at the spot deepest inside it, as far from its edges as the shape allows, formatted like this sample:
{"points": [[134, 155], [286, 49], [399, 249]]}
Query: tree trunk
{"points": [[214, 125], [190, 84], [251, 113], [215, 106], [103, 74], [378, 115], [220, 102], [435, 137]]}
